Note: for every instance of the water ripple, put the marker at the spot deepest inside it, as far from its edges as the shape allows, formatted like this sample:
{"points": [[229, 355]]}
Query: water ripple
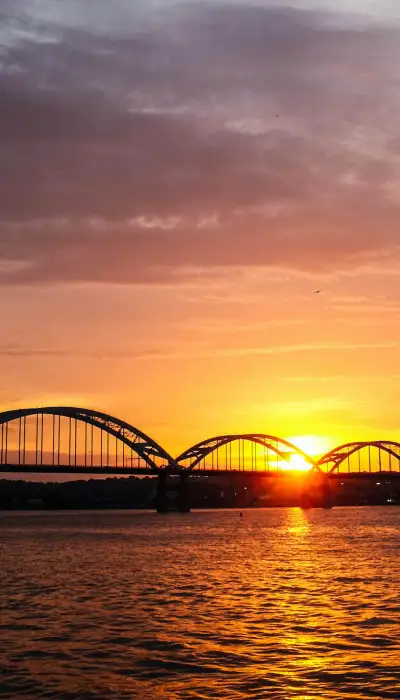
{"points": [[280, 604]]}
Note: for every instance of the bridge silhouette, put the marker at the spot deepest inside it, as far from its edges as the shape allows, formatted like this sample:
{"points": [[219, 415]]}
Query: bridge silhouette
{"points": [[70, 440]]}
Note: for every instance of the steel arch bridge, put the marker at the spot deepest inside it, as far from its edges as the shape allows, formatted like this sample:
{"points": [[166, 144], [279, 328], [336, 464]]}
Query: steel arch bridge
{"points": [[254, 452], [69, 439], [365, 455]]}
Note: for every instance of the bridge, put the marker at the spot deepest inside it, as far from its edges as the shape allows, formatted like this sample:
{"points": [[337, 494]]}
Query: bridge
{"points": [[70, 440]]}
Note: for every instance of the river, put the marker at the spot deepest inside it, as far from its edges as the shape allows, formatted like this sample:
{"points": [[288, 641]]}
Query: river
{"points": [[279, 603]]}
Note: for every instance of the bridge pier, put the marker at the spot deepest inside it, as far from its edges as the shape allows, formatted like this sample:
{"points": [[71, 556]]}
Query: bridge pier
{"points": [[316, 491], [161, 497], [181, 487]]}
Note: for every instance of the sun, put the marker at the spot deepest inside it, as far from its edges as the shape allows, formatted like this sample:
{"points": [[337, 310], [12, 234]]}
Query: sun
{"points": [[312, 445], [298, 463]]}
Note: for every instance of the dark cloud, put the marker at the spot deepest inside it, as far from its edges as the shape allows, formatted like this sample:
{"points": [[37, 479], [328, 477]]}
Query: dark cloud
{"points": [[100, 136]]}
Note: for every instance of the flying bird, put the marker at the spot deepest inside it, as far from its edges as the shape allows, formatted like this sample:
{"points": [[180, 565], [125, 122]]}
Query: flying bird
{"points": [[317, 291]]}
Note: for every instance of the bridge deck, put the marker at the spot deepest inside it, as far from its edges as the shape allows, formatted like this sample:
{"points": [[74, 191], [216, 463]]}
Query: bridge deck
{"points": [[141, 471]]}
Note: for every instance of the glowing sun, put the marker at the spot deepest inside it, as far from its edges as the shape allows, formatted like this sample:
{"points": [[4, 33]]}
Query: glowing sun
{"points": [[298, 463], [313, 445]]}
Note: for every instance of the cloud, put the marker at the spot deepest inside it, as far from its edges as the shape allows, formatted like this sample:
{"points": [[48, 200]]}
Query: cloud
{"points": [[334, 379], [328, 404], [137, 153], [187, 350]]}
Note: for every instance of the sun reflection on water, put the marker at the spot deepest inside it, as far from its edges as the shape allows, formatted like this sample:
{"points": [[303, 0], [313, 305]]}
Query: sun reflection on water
{"points": [[202, 605], [298, 523]]}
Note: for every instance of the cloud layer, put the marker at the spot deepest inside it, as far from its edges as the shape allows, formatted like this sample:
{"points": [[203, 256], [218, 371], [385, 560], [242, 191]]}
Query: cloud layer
{"points": [[194, 135]]}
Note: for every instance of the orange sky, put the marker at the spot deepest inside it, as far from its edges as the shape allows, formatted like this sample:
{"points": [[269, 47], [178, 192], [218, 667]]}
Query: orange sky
{"points": [[254, 353], [164, 221]]}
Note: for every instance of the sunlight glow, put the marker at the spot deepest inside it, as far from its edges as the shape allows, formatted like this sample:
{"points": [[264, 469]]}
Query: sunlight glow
{"points": [[299, 464], [313, 445]]}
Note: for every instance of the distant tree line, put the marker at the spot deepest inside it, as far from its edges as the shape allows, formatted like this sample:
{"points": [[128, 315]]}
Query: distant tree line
{"points": [[140, 492]]}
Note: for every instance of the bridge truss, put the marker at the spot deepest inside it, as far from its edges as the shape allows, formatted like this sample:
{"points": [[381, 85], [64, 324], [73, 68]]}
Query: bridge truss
{"points": [[79, 440], [362, 458], [69, 439], [245, 452]]}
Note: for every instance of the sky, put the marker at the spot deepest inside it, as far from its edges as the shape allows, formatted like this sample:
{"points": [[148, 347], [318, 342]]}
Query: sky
{"points": [[177, 180]]}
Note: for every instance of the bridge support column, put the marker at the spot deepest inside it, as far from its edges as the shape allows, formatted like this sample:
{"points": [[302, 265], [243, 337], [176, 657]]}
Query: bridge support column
{"points": [[316, 491], [178, 486], [161, 497], [183, 494]]}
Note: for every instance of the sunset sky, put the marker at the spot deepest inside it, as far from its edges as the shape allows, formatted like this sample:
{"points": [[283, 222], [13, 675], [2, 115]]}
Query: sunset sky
{"points": [[177, 180]]}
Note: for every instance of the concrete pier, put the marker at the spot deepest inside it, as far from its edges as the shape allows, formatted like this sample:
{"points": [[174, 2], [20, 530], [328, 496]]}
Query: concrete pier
{"points": [[166, 485]]}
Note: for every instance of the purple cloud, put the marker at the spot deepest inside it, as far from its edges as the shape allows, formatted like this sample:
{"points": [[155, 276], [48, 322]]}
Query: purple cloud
{"points": [[223, 135]]}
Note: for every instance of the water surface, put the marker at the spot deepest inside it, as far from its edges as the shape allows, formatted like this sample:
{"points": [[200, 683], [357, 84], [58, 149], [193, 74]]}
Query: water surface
{"points": [[281, 603]]}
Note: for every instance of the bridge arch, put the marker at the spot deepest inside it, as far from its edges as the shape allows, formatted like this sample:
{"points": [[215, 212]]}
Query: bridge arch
{"points": [[340, 456], [154, 457], [282, 450]]}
